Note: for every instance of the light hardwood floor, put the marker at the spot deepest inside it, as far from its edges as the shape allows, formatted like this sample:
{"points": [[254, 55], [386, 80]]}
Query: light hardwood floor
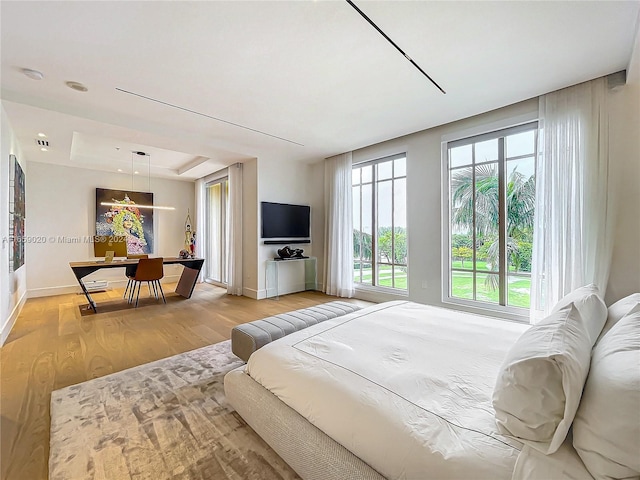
{"points": [[53, 345]]}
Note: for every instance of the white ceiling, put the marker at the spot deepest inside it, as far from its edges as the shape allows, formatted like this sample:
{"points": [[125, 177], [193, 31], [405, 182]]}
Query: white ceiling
{"points": [[313, 76]]}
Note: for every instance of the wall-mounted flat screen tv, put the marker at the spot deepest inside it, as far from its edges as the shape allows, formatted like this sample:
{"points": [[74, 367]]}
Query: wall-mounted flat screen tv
{"points": [[285, 221]]}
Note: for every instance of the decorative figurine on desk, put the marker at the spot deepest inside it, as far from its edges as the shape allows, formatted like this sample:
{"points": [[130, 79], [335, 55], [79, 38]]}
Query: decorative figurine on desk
{"points": [[184, 254], [286, 253], [189, 239], [192, 247]]}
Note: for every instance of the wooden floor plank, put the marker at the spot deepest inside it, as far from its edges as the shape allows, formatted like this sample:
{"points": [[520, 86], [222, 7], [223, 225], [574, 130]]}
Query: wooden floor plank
{"points": [[54, 344]]}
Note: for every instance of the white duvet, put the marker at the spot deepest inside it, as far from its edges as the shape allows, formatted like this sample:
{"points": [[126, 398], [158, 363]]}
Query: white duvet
{"points": [[405, 387]]}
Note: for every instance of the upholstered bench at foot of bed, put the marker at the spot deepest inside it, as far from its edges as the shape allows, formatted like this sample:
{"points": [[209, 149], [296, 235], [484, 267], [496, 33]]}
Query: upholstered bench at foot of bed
{"points": [[249, 337]]}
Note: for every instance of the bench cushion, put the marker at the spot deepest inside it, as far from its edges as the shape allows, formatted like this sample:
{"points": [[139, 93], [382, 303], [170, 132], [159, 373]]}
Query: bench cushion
{"points": [[249, 337]]}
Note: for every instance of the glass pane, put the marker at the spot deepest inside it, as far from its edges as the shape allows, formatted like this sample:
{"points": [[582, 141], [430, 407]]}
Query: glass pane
{"points": [[385, 275], [520, 212], [487, 151], [355, 176], [400, 277], [519, 291], [487, 287], [400, 220], [356, 271], [214, 224], [385, 215], [462, 285], [459, 156], [356, 207], [461, 218], [487, 217], [367, 202], [461, 248], [384, 170], [366, 174], [400, 167], [520, 144], [367, 274]]}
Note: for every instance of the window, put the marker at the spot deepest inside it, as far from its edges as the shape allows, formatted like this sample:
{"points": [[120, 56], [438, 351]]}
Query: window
{"points": [[491, 202], [216, 215], [380, 222]]}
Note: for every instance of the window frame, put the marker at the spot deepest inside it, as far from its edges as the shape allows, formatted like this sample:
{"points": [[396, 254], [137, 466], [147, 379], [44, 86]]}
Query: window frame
{"points": [[495, 131], [375, 262]]}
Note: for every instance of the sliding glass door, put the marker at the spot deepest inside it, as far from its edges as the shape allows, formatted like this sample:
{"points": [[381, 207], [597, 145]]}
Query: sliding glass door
{"points": [[217, 202]]}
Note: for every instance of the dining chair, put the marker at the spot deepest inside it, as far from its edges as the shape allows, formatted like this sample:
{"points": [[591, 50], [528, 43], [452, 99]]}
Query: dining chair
{"points": [[149, 270], [130, 270]]}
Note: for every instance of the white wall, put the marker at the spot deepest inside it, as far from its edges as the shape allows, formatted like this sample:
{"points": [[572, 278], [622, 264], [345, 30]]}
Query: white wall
{"points": [[13, 286], [625, 176], [297, 183], [61, 202]]}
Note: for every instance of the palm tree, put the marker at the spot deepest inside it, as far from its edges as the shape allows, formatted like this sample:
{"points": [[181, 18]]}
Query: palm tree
{"points": [[520, 209]]}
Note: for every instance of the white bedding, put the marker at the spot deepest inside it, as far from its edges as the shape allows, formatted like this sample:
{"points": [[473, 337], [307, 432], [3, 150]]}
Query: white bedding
{"points": [[405, 387]]}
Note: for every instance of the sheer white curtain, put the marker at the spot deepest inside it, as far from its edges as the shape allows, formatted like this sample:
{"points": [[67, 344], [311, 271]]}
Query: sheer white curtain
{"points": [[234, 231], [338, 263], [200, 226], [574, 224]]}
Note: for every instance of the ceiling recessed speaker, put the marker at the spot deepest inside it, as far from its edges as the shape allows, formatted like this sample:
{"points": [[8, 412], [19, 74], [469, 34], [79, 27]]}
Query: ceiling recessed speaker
{"points": [[33, 74], [77, 86]]}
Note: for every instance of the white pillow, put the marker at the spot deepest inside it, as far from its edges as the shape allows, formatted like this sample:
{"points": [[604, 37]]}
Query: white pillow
{"points": [[540, 382], [591, 307], [606, 430], [621, 309]]}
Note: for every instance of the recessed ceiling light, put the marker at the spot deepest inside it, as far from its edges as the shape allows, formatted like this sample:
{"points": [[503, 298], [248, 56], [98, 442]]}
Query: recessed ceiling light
{"points": [[33, 74], [44, 149], [77, 86], [120, 170], [136, 172], [42, 135]]}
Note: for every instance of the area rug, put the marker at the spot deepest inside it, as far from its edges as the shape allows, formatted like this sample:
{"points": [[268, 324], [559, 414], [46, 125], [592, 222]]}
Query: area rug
{"points": [[163, 420]]}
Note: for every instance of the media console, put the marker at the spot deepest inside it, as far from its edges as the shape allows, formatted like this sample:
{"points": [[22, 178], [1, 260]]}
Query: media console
{"points": [[272, 274]]}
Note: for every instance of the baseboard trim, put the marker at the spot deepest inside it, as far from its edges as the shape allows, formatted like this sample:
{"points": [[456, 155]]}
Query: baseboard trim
{"points": [[11, 321], [66, 289], [251, 293]]}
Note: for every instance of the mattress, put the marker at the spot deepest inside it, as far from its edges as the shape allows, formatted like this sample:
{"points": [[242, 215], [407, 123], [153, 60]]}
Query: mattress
{"points": [[405, 387]]}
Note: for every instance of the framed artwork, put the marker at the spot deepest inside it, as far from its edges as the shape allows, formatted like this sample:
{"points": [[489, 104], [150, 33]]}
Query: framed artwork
{"points": [[124, 218], [17, 213]]}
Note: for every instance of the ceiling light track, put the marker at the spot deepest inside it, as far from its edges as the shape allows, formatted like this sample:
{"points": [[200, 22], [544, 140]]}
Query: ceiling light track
{"points": [[207, 116], [364, 15]]}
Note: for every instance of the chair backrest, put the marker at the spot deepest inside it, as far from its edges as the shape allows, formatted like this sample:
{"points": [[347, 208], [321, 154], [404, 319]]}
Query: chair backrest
{"points": [[149, 269], [137, 256]]}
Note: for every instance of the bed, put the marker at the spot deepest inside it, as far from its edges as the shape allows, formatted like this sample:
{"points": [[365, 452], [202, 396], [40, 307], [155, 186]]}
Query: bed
{"points": [[398, 390]]}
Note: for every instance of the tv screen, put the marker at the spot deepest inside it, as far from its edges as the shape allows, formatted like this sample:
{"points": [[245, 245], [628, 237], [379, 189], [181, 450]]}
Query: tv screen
{"points": [[281, 220]]}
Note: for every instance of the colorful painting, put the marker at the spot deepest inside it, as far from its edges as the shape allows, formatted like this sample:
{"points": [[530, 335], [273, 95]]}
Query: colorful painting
{"points": [[125, 218], [17, 213]]}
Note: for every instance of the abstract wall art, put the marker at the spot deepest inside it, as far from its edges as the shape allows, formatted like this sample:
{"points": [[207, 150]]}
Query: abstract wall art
{"points": [[124, 218], [17, 213]]}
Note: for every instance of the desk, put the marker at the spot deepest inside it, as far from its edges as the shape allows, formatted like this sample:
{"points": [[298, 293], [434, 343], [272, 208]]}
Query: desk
{"points": [[186, 284]]}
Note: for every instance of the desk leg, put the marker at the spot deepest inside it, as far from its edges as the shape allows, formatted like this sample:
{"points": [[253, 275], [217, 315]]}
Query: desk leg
{"points": [[187, 282], [92, 304]]}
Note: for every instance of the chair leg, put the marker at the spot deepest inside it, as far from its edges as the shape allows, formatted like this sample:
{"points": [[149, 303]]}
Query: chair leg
{"points": [[155, 289], [161, 291], [126, 289], [138, 295], [149, 287], [131, 291]]}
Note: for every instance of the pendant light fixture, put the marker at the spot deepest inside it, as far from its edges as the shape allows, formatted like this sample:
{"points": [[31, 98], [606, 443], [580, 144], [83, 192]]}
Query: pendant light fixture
{"points": [[133, 173]]}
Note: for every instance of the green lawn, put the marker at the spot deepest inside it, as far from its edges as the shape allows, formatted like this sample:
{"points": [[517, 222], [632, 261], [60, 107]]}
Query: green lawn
{"points": [[462, 285], [385, 278], [518, 292]]}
